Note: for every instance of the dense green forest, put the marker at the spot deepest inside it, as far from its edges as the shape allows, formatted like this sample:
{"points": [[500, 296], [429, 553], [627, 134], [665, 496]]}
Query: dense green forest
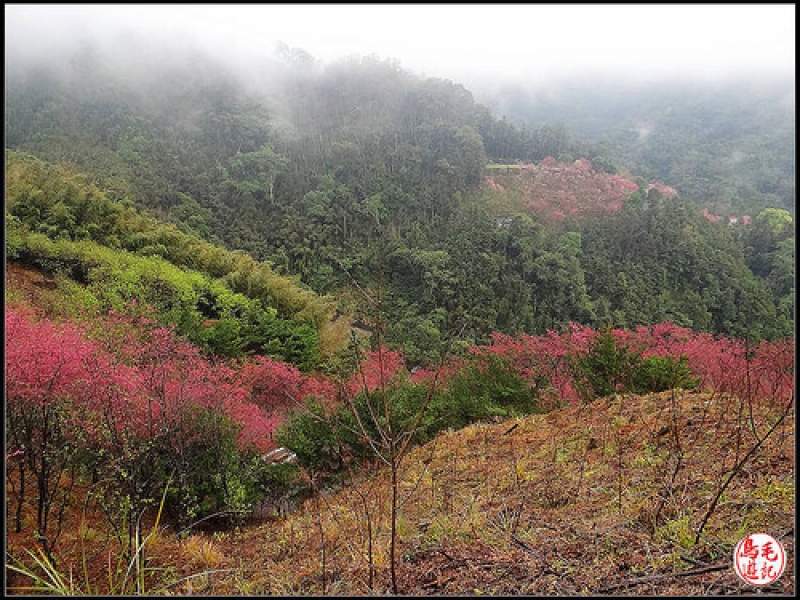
{"points": [[359, 172]]}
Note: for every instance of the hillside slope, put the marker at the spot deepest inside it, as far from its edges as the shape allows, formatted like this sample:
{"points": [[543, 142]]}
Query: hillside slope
{"points": [[605, 498]]}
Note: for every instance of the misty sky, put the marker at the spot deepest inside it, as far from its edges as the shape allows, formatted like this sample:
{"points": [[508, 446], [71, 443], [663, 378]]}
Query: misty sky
{"points": [[463, 42]]}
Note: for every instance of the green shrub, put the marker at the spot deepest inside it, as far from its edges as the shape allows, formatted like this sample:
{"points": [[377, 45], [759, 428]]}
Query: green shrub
{"points": [[606, 368], [483, 390], [323, 441], [609, 367], [660, 373], [311, 434]]}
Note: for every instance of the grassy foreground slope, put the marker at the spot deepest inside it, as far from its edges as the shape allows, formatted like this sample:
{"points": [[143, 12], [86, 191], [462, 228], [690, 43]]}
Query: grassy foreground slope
{"points": [[606, 498]]}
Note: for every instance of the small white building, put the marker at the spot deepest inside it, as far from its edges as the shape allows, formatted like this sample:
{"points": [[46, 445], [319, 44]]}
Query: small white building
{"points": [[280, 455]]}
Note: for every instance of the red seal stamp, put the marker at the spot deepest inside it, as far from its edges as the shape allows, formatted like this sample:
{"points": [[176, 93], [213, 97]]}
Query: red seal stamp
{"points": [[759, 559]]}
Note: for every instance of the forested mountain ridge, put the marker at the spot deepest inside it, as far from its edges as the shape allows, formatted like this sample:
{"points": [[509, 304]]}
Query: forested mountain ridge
{"points": [[362, 171], [728, 144]]}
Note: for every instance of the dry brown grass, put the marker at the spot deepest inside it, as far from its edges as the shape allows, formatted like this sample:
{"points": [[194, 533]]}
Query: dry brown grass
{"points": [[603, 498]]}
